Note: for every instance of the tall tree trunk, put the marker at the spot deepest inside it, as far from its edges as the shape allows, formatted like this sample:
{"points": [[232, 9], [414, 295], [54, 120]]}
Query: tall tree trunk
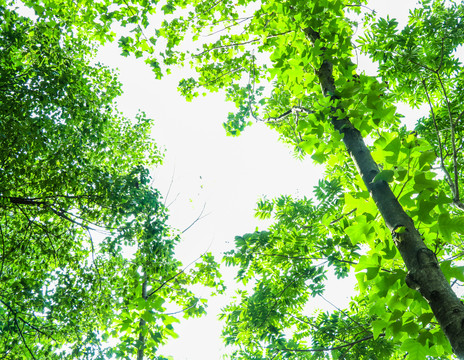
{"points": [[142, 323], [424, 273]]}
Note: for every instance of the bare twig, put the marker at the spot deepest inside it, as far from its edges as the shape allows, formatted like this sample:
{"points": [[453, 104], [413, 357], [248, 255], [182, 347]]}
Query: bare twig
{"points": [[182, 310], [199, 217], [170, 186]]}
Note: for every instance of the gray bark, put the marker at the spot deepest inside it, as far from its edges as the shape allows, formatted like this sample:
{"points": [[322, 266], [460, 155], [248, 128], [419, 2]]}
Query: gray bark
{"points": [[424, 273]]}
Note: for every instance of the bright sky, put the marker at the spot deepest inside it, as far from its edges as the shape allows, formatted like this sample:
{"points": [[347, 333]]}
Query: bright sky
{"points": [[225, 174]]}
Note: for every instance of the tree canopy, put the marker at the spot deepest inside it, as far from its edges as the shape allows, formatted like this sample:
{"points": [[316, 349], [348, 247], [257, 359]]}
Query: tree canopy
{"points": [[390, 208], [76, 196]]}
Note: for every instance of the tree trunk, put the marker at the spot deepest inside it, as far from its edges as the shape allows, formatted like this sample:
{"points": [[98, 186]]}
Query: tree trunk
{"points": [[142, 323], [424, 273]]}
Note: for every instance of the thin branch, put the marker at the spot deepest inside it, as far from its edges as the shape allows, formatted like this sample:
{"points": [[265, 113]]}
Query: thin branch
{"points": [[16, 317], [182, 310], [290, 256], [170, 186], [216, 22], [453, 140], [279, 295], [455, 257], [293, 111], [66, 215], [221, 76], [173, 201], [315, 327], [240, 43], [61, 213], [343, 312], [138, 25], [229, 26], [343, 216], [174, 276], [226, 47], [22, 337], [361, 6], [209, 9], [18, 199], [199, 217], [440, 146], [442, 54], [369, 337], [407, 175]]}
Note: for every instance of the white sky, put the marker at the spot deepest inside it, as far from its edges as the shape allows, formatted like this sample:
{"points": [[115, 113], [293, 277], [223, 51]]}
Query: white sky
{"points": [[227, 174]]}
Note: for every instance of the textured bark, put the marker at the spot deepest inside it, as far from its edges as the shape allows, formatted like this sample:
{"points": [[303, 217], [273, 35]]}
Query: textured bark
{"points": [[424, 273]]}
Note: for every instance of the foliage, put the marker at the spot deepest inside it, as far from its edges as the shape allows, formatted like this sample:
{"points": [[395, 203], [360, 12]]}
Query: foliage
{"points": [[75, 200], [291, 64]]}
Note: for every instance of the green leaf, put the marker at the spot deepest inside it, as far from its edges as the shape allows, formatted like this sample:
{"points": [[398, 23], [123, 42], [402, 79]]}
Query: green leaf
{"points": [[385, 175], [422, 183], [427, 158], [372, 272], [168, 319], [448, 225], [378, 326], [415, 350], [450, 272], [148, 317]]}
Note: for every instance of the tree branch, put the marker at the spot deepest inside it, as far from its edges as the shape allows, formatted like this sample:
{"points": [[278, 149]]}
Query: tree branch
{"points": [[440, 146], [240, 43], [453, 140], [369, 337]]}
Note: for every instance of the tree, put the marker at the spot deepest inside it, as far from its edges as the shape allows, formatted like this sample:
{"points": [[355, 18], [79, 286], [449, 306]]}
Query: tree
{"points": [[393, 210], [75, 196]]}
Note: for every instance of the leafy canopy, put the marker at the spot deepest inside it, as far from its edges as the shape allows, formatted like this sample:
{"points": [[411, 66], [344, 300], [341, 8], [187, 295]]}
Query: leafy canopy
{"points": [[75, 196], [276, 61]]}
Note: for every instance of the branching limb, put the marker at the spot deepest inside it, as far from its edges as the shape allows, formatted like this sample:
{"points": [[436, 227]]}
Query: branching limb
{"points": [[16, 317], [199, 217]]}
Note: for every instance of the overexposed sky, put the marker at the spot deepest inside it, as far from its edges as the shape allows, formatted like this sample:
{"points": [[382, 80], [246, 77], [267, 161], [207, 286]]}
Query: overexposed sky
{"points": [[226, 175]]}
